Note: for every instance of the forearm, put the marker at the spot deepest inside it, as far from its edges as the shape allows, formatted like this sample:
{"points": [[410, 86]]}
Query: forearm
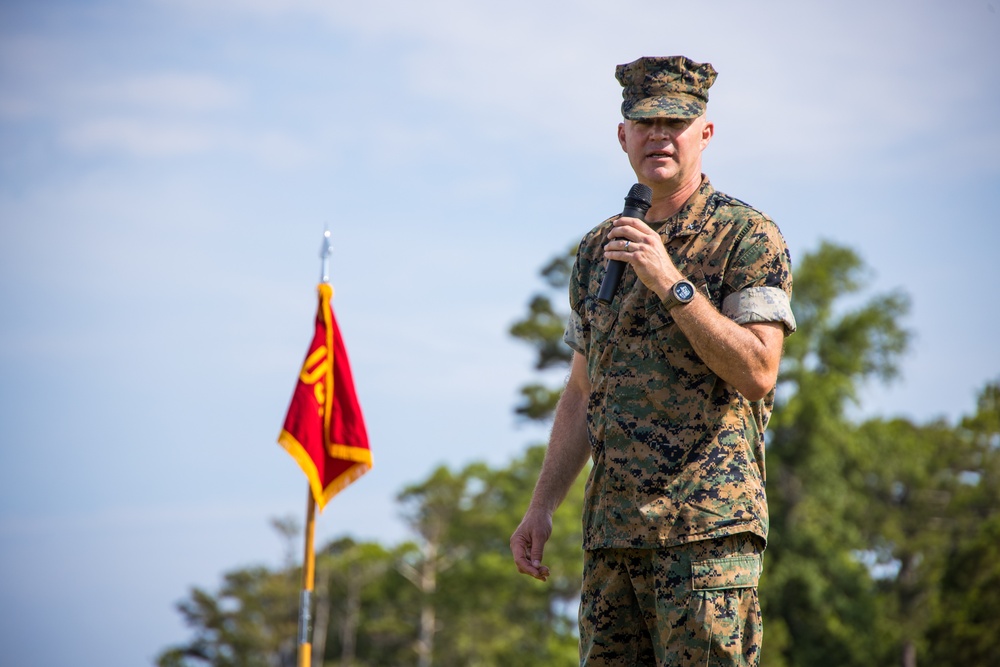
{"points": [[569, 446], [746, 357]]}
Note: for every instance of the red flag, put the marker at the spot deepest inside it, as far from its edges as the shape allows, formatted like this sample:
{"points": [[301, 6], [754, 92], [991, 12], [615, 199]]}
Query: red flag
{"points": [[324, 430]]}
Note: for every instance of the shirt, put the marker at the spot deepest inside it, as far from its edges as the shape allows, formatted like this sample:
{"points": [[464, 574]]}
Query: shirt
{"points": [[678, 453]]}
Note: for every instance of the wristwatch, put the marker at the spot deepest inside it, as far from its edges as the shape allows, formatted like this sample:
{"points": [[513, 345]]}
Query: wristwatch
{"points": [[680, 292]]}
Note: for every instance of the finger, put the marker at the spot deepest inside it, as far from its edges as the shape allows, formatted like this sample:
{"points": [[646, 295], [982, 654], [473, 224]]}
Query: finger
{"points": [[538, 571], [626, 232], [536, 553], [536, 543], [522, 556], [633, 223], [626, 246], [524, 566]]}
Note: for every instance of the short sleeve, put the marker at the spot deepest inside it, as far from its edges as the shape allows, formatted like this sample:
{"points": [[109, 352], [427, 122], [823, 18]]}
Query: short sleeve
{"points": [[759, 277], [760, 304], [575, 336], [577, 330]]}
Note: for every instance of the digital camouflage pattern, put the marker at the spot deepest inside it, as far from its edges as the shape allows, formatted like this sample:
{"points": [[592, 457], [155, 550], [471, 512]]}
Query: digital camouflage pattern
{"points": [[699, 601], [664, 87], [759, 304], [678, 453]]}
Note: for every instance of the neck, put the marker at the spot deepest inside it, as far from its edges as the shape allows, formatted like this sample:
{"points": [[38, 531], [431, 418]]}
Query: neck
{"points": [[667, 201]]}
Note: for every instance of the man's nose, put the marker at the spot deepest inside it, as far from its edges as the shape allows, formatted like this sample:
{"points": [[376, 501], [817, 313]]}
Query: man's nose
{"points": [[660, 128]]}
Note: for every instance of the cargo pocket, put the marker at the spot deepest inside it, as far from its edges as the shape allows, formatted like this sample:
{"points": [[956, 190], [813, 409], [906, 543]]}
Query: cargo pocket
{"points": [[727, 588], [719, 574]]}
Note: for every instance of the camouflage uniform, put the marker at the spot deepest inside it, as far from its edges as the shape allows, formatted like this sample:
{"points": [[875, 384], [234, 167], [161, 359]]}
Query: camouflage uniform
{"points": [[678, 475], [699, 602]]}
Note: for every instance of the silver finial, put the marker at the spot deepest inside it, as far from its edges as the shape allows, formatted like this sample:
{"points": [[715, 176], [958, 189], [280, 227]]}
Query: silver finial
{"points": [[324, 255]]}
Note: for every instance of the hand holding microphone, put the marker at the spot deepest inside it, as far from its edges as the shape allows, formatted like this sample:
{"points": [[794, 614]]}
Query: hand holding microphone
{"points": [[637, 202]]}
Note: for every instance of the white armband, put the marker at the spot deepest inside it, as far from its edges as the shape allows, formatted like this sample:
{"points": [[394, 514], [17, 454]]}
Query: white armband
{"points": [[574, 336], [760, 304]]}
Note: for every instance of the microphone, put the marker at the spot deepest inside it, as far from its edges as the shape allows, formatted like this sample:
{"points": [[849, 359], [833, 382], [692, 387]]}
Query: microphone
{"points": [[637, 202]]}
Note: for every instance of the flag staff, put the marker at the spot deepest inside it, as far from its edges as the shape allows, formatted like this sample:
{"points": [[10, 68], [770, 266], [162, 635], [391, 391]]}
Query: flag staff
{"points": [[308, 581], [325, 433], [309, 559]]}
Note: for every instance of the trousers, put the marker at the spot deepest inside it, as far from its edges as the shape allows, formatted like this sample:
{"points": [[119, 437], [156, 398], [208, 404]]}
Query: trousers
{"points": [[687, 605]]}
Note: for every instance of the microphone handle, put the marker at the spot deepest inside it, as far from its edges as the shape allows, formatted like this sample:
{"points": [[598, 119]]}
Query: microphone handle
{"points": [[616, 267]]}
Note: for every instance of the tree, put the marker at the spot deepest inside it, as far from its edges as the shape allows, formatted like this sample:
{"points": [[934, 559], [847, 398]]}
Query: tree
{"points": [[967, 624], [543, 329], [250, 622], [908, 477], [430, 511], [483, 611], [819, 602], [364, 606]]}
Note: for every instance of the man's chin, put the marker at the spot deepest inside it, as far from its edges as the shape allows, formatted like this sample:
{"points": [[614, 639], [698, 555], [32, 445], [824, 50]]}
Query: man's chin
{"points": [[662, 177]]}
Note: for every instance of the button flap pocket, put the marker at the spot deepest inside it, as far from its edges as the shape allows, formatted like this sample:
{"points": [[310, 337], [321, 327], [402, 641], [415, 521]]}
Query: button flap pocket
{"points": [[725, 573], [601, 315]]}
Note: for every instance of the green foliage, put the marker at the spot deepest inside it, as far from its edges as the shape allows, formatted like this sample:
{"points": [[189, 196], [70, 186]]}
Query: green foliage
{"points": [[965, 631], [364, 607], [478, 591], [909, 481], [251, 622], [543, 329], [377, 600], [967, 624], [835, 349], [815, 590]]}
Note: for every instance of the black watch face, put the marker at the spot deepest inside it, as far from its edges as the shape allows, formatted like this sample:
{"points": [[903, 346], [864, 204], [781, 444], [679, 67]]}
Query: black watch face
{"points": [[684, 291]]}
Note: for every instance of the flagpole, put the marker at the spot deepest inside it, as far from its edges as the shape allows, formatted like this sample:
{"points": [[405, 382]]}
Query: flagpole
{"points": [[309, 559], [325, 433], [308, 581]]}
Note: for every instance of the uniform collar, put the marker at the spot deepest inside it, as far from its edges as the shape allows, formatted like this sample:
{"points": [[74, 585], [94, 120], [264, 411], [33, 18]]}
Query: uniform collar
{"points": [[690, 219]]}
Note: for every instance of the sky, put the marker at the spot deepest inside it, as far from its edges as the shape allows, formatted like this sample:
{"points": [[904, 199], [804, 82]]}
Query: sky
{"points": [[167, 169]]}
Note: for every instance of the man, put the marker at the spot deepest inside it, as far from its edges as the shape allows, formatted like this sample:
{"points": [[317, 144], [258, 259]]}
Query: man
{"points": [[671, 387]]}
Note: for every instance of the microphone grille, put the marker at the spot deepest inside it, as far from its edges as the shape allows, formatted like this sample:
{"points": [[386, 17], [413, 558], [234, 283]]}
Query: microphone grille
{"points": [[641, 192]]}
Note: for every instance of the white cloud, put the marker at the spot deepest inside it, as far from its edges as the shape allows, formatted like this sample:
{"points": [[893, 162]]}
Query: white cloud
{"points": [[164, 92], [57, 78], [140, 137], [817, 86], [824, 84], [153, 137]]}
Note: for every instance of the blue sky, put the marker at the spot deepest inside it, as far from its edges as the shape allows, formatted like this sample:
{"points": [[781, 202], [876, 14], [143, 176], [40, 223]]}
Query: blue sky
{"points": [[167, 169]]}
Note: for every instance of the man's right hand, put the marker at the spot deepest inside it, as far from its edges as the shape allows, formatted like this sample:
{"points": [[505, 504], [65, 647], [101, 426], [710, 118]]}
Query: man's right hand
{"points": [[567, 453], [528, 542]]}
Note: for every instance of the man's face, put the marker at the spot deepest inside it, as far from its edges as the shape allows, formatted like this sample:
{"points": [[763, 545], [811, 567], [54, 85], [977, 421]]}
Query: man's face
{"points": [[665, 153]]}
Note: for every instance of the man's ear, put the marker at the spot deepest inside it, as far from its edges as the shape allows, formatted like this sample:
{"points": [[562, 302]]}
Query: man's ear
{"points": [[707, 132], [621, 136]]}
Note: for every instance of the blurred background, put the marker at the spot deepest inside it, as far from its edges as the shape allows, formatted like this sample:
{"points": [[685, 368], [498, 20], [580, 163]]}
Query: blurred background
{"points": [[167, 169]]}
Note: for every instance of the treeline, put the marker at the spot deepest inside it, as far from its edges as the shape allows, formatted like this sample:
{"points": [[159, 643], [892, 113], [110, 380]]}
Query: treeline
{"points": [[884, 546]]}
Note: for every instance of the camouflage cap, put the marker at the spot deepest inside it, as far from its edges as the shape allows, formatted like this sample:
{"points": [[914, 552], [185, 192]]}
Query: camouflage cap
{"points": [[664, 87]]}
